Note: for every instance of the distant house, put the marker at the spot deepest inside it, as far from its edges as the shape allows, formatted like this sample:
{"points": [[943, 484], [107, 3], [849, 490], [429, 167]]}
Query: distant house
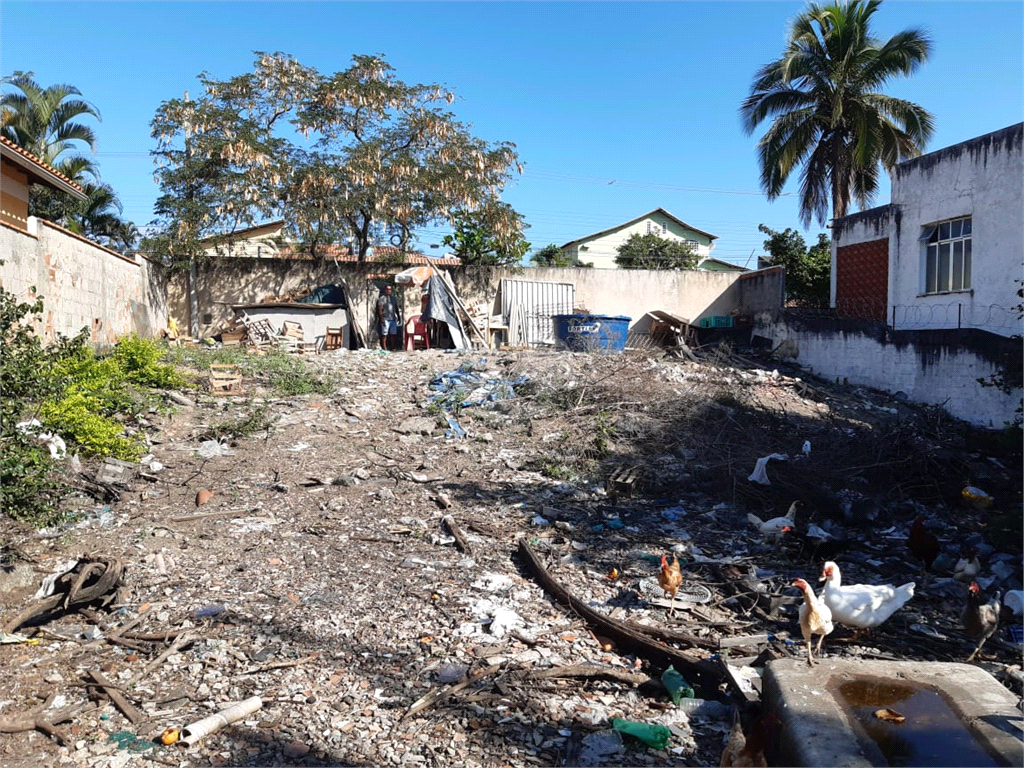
{"points": [[601, 248], [268, 241], [20, 170], [717, 265], [947, 251]]}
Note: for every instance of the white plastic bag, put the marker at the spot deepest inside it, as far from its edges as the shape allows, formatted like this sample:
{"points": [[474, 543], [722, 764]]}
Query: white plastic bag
{"points": [[760, 474]]}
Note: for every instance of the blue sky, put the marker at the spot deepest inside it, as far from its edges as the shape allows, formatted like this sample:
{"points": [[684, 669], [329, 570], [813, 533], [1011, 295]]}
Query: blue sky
{"points": [[616, 108]]}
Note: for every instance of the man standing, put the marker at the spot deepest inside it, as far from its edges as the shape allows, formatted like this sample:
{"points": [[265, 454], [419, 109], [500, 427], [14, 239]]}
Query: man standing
{"points": [[387, 319]]}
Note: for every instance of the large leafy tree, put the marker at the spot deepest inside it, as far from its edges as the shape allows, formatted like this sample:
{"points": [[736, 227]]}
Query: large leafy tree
{"points": [[47, 123], [480, 237], [551, 256], [653, 252], [827, 113], [808, 270], [381, 158]]}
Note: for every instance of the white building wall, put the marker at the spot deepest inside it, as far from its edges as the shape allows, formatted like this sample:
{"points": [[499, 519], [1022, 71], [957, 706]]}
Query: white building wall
{"points": [[944, 376], [982, 178]]}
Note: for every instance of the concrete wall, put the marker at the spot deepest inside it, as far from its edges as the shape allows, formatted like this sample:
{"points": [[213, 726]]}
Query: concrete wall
{"points": [[83, 285], [689, 294], [934, 367]]}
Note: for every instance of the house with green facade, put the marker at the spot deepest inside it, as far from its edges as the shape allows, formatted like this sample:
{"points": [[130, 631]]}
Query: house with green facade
{"points": [[601, 248]]}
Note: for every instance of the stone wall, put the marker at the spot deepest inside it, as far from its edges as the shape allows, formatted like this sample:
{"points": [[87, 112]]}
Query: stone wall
{"points": [[83, 285]]}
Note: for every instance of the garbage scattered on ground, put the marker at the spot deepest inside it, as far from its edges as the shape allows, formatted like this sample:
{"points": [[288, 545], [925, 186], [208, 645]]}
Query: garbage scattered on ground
{"points": [[330, 581]]}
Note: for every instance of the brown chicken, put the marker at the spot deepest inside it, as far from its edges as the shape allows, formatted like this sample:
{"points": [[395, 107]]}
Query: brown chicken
{"points": [[815, 618], [669, 579], [745, 748], [980, 618], [922, 543]]}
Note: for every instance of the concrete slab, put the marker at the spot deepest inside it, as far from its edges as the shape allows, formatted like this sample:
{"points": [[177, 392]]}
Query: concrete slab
{"points": [[819, 727]]}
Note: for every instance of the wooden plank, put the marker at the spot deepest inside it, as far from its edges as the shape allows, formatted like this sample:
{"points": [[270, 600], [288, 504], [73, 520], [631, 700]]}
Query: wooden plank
{"points": [[113, 692], [455, 297], [742, 640], [353, 321]]}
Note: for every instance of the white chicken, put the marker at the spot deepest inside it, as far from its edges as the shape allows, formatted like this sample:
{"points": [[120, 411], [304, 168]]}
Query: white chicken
{"points": [[863, 606], [967, 567], [774, 528], [815, 618]]}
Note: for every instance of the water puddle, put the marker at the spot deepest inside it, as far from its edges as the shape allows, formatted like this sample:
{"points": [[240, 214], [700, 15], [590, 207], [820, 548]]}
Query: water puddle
{"points": [[931, 733]]}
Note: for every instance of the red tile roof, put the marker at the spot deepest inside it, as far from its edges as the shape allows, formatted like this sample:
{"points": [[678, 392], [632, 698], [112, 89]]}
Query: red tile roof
{"points": [[378, 253], [49, 169]]}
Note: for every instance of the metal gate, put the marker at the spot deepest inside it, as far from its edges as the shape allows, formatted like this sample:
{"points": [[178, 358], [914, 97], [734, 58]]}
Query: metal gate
{"points": [[527, 307]]}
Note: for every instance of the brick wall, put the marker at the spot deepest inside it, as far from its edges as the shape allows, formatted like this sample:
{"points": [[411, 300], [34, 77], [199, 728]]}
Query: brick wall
{"points": [[83, 285], [862, 279]]}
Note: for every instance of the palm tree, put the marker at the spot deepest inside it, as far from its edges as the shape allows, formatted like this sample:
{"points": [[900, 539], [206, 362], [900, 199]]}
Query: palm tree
{"points": [[827, 114], [42, 120]]}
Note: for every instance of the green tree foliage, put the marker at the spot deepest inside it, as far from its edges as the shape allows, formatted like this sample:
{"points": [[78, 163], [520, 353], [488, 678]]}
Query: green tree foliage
{"points": [[29, 482], [827, 112], [808, 270], [653, 252], [480, 239], [551, 256], [82, 397], [377, 156], [45, 122]]}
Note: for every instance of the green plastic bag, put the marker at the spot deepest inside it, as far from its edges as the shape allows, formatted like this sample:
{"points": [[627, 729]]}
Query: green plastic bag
{"points": [[655, 736], [676, 685]]}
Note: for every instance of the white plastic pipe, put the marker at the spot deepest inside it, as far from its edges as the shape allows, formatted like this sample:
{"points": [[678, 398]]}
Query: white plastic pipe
{"points": [[200, 729]]}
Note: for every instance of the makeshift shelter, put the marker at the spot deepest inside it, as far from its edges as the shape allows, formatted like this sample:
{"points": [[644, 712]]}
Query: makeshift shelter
{"points": [[441, 307]]}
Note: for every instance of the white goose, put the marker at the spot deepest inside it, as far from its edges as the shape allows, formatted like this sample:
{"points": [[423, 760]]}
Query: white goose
{"points": [[861, 605]]}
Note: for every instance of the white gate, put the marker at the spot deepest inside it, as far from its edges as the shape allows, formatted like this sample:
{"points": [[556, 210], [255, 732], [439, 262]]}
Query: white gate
{"points": [[527, 307]]}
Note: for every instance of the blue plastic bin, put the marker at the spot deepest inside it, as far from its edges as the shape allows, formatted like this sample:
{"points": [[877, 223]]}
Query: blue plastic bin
{"points": [[591, 333]]}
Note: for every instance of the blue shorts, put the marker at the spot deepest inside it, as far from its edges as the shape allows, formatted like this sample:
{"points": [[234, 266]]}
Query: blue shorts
{"points": [[389, 329]]}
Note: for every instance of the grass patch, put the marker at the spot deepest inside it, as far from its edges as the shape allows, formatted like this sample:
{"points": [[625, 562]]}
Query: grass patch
{"points": [[284, 374], [258, 420]]}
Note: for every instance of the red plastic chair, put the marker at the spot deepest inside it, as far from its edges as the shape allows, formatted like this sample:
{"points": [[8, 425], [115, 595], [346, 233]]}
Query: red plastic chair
{"points": [[416, 336]]}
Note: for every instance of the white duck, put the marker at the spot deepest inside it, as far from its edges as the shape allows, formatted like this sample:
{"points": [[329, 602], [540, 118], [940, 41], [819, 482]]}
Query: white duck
{"points": [[861, 605], [775, 527]]}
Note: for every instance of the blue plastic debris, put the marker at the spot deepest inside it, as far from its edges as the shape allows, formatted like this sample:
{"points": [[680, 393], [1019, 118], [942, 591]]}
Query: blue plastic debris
{"points": [[466, 387]]}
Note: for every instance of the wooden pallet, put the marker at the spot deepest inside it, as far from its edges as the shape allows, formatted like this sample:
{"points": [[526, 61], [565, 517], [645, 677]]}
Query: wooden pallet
{"points": [[623, 482], [225, 379]]}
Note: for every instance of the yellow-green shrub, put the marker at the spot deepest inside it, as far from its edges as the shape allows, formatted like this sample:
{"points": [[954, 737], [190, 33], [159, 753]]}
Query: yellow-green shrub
{"points": [[77, 418]]}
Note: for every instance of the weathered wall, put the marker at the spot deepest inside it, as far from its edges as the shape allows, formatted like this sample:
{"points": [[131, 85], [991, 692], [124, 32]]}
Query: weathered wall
{"points": [[83, 285], [690, 294], [982, 178], [935, 367], [221, 283]]}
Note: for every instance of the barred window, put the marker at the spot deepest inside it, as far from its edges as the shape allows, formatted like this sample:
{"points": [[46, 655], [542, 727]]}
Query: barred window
{"points": [[947, 256]]}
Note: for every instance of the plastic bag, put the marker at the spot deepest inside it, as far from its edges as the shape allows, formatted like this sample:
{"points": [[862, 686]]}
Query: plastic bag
{"points": [[760, 475]]}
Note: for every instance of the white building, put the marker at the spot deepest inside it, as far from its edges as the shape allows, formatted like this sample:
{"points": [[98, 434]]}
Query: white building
{"points": [[601, 248], [948, 250]]}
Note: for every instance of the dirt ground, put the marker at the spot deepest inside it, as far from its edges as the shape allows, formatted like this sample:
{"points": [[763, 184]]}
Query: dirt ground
{"points": [[396, 595]]}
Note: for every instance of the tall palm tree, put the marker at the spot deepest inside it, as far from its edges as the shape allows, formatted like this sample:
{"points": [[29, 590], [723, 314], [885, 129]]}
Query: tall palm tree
{"points": [[827, 113], [43, 120]]}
